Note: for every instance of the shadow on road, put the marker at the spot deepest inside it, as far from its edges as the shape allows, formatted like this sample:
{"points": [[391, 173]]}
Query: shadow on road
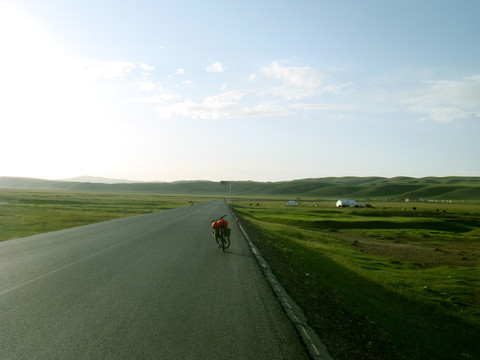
{"points": [[239, 253]]}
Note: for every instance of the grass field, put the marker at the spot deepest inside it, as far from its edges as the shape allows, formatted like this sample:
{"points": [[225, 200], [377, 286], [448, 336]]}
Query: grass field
{"points": [[383, 283], [27, 212], [389, 282]]}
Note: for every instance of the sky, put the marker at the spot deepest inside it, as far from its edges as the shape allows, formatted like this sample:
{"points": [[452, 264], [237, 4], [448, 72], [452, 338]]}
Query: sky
{"points": [[265, 90]]}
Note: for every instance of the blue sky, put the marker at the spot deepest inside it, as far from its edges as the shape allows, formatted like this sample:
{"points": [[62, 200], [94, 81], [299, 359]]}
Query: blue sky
{"points": [[239, 90]]}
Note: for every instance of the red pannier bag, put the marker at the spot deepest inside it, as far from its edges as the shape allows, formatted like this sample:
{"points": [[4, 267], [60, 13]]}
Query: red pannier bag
{"points": [[219, 223]]}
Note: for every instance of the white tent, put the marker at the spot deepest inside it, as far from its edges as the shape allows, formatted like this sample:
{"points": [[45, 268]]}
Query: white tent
{"points": [[346, 203], [292, 203]]}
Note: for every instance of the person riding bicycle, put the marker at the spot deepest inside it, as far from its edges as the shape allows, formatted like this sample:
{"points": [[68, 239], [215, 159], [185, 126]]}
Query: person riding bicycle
{"points": [[220, 225]]}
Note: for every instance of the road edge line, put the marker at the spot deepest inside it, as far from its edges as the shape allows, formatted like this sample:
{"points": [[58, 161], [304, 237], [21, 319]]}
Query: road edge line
{"points": [[316, 349]]}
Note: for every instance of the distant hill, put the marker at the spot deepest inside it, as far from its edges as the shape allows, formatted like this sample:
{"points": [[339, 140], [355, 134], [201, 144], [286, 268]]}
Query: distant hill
{"points": [[99, 180], [451, 188]]}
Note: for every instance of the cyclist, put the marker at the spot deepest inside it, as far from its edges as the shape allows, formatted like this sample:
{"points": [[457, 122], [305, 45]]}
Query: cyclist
{"points": [[219, 226]]}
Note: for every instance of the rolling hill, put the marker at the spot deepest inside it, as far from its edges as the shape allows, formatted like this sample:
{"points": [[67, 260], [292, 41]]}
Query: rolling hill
{"points": [[451, 187]]}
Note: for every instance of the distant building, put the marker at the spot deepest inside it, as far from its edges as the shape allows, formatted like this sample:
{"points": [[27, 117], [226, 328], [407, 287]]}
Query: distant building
{"points": [[346, 203], [292, 203], [413, 199]]}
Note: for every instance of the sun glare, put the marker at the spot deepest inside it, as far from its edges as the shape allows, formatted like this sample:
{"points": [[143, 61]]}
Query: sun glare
{"points": [[51, 109]]}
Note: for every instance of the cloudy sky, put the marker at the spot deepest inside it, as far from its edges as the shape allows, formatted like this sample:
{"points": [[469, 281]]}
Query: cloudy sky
{"points": [[239, 90]]}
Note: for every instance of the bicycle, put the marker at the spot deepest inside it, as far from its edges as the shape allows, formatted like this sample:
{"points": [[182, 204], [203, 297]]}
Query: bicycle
{"points": [[221, 232]]}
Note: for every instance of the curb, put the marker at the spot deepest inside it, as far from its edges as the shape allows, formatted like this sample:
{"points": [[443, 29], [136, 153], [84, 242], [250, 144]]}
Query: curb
{"points": [[316, 349]]}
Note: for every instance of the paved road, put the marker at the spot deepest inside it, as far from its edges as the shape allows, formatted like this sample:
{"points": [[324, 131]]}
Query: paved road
{"points": [[148, 287]]}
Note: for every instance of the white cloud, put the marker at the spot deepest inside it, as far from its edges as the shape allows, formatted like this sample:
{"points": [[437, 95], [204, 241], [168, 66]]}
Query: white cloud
{"points": [[223, 106], [157, 99], [464, 92], [475, 78], [295, 82], [107, 70], [290, 93], [180, 71], [215, 67], [338, 88], [145, 86], [322, 107], [447, 100], [147, 67], [225, 99], [266, 109], [442, 113], [287, 82], [305, 77], [228, 105]]}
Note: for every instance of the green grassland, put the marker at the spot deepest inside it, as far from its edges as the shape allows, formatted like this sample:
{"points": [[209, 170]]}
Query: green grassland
{"points": [[406, 281], [28, 212], [384, 283]]}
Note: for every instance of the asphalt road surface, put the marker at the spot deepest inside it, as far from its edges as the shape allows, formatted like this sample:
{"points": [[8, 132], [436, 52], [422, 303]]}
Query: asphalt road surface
{"points": [[148, 287]]}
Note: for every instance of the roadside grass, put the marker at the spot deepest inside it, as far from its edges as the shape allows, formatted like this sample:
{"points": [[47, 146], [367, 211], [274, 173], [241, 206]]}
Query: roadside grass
{"points": [[412, 275], [383, 283], [27, 212]]}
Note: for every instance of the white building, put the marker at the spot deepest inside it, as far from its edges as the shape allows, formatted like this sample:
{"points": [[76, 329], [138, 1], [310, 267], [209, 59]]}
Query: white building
{"points": [[346, 203]]}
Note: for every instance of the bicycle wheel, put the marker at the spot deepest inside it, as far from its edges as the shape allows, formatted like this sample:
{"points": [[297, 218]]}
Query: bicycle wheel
{"points": [[225, 243], [218, 237]]}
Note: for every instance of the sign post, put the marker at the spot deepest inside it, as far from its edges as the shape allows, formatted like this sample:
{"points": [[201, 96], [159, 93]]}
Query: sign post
{"points": [[229, 188]]}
